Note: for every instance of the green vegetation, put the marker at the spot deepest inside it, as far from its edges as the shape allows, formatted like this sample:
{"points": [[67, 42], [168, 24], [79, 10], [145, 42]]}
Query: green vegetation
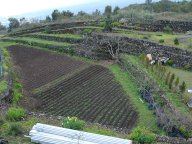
{"points": [[142, 135], [74, 36], [3, 86], [40, 41], [183, 76], [146, 117], [160, 37], [15, 113], [14, 129], [174, 97], [73, 123]]}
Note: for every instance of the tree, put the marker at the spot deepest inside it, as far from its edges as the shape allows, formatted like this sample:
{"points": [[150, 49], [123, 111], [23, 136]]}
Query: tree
{"points": [[81, 13], [48, 19], [67, 13], [2, 27], [116, 9], [13, 23], [108, 24], [55, 15], [97, 12], [171, 81], [182, 87], [177, 82], [108, 10], [148, 2]]}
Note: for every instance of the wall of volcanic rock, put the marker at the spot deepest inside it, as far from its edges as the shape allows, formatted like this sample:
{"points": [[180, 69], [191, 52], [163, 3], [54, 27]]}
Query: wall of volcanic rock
{"points": [[177, 26], [180, 57]]}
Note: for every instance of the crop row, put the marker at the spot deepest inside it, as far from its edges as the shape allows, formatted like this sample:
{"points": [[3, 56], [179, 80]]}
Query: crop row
{"points": [[92, 95]]}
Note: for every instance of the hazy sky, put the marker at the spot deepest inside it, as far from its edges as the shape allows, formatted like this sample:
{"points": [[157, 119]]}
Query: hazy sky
{"points": [[18, 7]]}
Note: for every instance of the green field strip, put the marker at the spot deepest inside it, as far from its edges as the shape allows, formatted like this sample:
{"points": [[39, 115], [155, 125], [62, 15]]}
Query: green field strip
{"points": [[157, 36], [146, 117], [72, 36], [39, 41], [59, 80]]}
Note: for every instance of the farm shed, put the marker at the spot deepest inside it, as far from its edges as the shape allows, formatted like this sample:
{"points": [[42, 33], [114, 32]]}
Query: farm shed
{"points": [[46, 134]]}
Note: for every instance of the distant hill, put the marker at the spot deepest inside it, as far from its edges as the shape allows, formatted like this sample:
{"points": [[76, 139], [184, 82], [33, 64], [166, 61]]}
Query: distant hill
{"points": [[89, 8]]}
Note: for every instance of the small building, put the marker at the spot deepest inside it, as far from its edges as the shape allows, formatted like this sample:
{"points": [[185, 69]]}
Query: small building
{"points": [[46, 134]]}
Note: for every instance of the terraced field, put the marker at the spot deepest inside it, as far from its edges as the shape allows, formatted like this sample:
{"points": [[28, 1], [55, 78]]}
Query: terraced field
{"points": [[38, 67], [91, 94]]}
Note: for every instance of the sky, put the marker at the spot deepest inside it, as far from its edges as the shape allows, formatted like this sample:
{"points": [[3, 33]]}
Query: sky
{"points": [[17, 7]]}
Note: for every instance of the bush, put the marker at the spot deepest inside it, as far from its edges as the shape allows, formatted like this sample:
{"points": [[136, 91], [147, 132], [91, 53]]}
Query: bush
{"points": [[177, 82], [187, 67], [184, 132], [182, 87], [142, 135], [108, 24], [73, 123], [15, 129], [167, 78], [170, 62], [161, 41], [168, 30], [15, 114], [1, 121], [88, 31], [186, 97], [176, 41], [171, 81], [116, 24]]}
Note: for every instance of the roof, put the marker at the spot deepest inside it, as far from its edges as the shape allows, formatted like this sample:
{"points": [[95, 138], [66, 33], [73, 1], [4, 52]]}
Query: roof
{"points": [[46, 134]]}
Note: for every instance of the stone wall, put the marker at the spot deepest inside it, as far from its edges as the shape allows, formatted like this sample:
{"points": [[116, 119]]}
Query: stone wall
{"points": [[177, 26], [50, 27], [180, 57]]}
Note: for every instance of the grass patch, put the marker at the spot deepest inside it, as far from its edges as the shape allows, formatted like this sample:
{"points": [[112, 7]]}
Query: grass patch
{"points": [[40, 41], [15, 114], [174, 97], [158, 36], [183, 75], [146, 117], [3, 86], [73, 36]]}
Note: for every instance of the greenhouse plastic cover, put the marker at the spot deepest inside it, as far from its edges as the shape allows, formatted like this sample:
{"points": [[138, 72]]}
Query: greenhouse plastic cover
{"points": [[46, 134]]}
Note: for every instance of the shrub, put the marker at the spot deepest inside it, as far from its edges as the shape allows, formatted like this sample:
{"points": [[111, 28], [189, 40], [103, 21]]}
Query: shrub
{"points": [[177, 82], [161, 41], [167, 29], [176, 41], [1, 121], [171, 81], [145, 37], [88, 31], [187, 67], [108, 24], [182, 87], [142, 135], [184, 132], [14, 129], [186, 97], [73, 123], [116, 24], [170, 62], [15, 114], [167, 78]]}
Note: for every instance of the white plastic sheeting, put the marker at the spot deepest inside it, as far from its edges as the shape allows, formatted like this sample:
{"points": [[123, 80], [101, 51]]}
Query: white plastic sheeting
{"points": [[46, 134]]}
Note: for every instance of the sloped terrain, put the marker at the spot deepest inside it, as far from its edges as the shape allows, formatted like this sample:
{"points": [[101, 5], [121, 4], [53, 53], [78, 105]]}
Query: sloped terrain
{"points": [[38, 67], [92, 95]]}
